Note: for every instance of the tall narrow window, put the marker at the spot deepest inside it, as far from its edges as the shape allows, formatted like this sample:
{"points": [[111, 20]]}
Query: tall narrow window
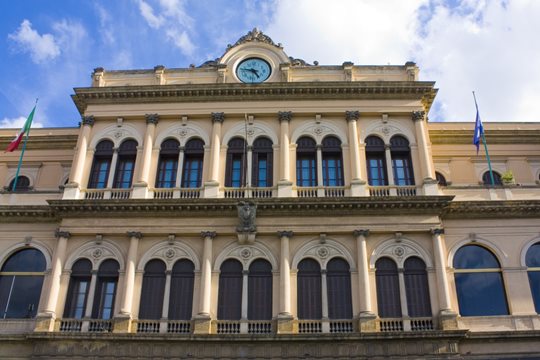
{"points": [[479, 283], [153, 288], [101, 165], [181, 295], [236, 163], [306, 162], [332, 161], [376, 161], [23, 184], [401, 161], [309, 290], [105, 295], [532, 260], [168, 164], [79, 285], [260, 290], [21, 280], [387, 280], [486, 179], [417, 288], [262, 162], [338, 282], [230, 291], [127, 153], [193, 164]]}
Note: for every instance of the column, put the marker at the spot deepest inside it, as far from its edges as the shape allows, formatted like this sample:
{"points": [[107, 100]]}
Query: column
{"points": [[112, 170], [90, 301], [134, 237], [403, 300], [249, 167], [366, 315], [284, 184], [244, 310], [180, 167], [285, 319], [72, 189], [447, 317], [358, 186], [140, 188], [324, 303], [166, 299], [320, 183], [202, 320], [212, 185], [389, 168], [426, 162]]}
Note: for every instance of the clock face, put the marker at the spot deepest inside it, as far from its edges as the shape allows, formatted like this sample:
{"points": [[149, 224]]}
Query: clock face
{"points": [[253, 70]]}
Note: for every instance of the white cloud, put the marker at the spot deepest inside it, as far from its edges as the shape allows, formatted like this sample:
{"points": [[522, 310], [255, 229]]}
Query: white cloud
{"points": [[17, 123], [105, 25], [148, 14], [41, 47]]}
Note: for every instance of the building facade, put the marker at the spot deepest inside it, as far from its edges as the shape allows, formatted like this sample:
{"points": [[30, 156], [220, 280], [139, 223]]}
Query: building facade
{"points": [[258, 206]]}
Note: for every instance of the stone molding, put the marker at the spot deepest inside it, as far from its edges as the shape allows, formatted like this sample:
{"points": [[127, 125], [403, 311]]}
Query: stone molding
{"points": [[254, 35]]}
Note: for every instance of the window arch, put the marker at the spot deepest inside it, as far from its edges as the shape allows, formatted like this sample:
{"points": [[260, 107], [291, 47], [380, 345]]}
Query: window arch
{"points": [[486, 178], [387, 282], [332, 161], [230, 290], [235, 175], [260, 290], [338, 282], [125, 166], [153, 288], [105, 292], [99, 174], [532, 261], [168, 164], [401, 161], [21, 280], [440, 179], [193, 164], [479, 284], [306, 162], [23, 184], [309, 305], [79, 286], [417, 288], [262, 163], [181, 293], [376, 161]]}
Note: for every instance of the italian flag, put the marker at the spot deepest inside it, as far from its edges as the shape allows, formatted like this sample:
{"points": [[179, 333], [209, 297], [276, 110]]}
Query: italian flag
{"points": [[25, 129]]}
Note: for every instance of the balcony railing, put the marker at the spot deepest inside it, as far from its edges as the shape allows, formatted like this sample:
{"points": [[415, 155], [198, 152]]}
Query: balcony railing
{"points": [[321, 191], [177, 193], [249, 192], [85, 325], [381, 191], [163, 326], [406, 324], [309, 326], [99, 194], [244, 327]]}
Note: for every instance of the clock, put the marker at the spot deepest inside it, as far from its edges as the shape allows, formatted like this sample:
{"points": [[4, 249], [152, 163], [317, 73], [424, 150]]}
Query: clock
{"points": [[253, 70]]}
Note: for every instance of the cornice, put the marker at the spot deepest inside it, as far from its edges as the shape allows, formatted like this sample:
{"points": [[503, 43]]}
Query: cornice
{"points": [[54, 142], [492, 209], [358, 90], [27, 214], [441, 137]]}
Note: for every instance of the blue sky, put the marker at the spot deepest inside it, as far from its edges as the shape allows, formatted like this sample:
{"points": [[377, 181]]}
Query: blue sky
{"points": [[49, 47]]}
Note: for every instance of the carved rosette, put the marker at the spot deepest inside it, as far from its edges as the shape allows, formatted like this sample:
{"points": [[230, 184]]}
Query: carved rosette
{"points": [[399, 252], [97, 253], [352, 115], [324, 252], [218, 117], [152, 119], [284, 115], [88, 120], [418, 115], [246, 254]]}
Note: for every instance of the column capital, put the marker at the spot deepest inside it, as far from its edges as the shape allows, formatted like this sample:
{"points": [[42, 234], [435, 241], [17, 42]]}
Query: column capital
{"points": [[88, 120], [418, 115], [437, 231], [208, 234], [62, 234], [135, 234], [218, 117], [352, 115], [361, 232], [284, 115], [152, 118], [285, 233]]}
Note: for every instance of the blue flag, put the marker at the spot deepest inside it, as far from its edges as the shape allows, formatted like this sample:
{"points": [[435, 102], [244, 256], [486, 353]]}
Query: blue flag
{"points": [[478, 131]]}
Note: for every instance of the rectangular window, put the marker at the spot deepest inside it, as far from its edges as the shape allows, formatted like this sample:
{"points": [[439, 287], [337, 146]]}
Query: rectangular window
{"points": [[108, 291], [124, 173], [100, 174], [262, 174], [236, 174], [332, 171], [376, 171], [402, 171], [192, 173], [167, 173], [306, 172]]}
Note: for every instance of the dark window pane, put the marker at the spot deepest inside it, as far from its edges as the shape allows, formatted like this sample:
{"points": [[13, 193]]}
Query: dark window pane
{"points": [[260, 290], [153, 288], [306, 162], [481, 294], [309, 290], [388, 298], [192, 171], [338, 281], [441, 179], [417, 288], [262, 162], [105, 294], [181, 295], [475, 257], [532, 259], [534, 281], [236, 163], [167, 168], [101, 165], [332, 161], [23, 184], [79, 285], [486, 178], [230, 291], [26, 260]]}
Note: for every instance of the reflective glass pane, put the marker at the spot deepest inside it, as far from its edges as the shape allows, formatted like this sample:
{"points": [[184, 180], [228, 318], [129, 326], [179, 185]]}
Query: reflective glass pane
{"points": [[481, 294], [475, 257], [532, 258], [534, 281]]}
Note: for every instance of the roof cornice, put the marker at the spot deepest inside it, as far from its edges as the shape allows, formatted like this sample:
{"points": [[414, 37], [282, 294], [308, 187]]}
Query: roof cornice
{"points": [[493, 209], [498, 136]]}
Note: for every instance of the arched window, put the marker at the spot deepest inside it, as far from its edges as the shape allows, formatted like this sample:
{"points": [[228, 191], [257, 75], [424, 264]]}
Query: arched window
{"points": [[105, 293], [79, 285], [440, 179], [235, 175], [262, 162], [260, 290], [532, 261], [168, 164], [401, 161], [332, 161], [306, 162], [101, 165], [309, 290], [23, 184], [479, 283], [153, 288], [193, 164], [417, 288], [181, 294], [127, 153], [376, 161], [230, 290], [486, 178], [21, 280], [387, 281], [338, 283]]}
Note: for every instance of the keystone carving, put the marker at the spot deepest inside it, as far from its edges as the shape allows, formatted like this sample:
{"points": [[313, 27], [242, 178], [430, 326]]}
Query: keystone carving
{"points": [[247, 212]]}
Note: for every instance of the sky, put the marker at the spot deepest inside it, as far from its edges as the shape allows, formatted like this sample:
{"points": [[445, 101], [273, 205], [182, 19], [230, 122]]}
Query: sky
{"points": [[490, 46]]}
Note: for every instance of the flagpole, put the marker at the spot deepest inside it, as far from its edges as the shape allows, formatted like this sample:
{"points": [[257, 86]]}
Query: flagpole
{"points": [[485, 146], [22, 154]]}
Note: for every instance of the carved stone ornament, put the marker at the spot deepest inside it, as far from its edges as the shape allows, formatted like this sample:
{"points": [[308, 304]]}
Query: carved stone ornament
{"points": [[208, 234], [254, 35], [352, 115], [88, 120], [152, 119], [251, 132], [284, 115], [298, 62], [183, 133], [170, 253], [62, 234], [245, 253], [247, 212], [361, 232], [418, 115], [399, 251], [135, 234], [385, 130], [437, 231], [118, 134], [218, 117], [318, 130], [285, 233], [97, 253], [323, 252], [209, 63]]}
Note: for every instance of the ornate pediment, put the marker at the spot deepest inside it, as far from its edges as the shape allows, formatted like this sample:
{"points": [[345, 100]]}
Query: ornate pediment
{"points": [[255, 35]]}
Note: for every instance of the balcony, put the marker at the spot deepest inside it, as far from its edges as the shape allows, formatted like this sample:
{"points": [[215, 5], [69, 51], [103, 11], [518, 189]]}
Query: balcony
{"points": [[85, 325], [100, 194], [405, 324], [177, 193], [382, 191]]}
